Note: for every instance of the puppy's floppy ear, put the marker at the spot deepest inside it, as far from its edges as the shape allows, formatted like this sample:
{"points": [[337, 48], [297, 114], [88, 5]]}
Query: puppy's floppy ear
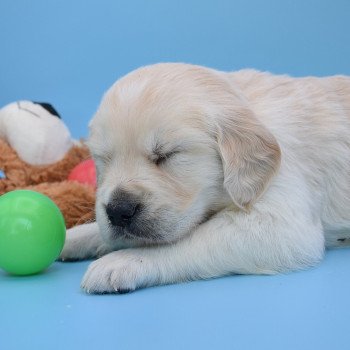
{"points": [[250, 155]]}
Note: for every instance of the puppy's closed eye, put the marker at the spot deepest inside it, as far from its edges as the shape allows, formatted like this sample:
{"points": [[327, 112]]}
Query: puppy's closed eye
{"points": [[161, 158], [162, 153]]}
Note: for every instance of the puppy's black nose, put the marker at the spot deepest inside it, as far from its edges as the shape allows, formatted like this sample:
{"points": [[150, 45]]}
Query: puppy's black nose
{"points": [[121, 213]]}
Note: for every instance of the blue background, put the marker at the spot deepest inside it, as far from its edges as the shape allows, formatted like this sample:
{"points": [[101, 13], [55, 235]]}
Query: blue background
{"points": [[68, 53]]}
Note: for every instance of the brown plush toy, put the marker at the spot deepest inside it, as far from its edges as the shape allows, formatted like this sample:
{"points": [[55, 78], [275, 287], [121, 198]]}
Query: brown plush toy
{"points": [[75, 200]]}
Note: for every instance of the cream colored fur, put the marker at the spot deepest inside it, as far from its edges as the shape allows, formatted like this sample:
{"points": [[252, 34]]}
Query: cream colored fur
{"points": [[257, 180]]}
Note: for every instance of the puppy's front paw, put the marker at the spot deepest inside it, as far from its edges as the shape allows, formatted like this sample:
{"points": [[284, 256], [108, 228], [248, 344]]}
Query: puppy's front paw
{"points": [[83, 242], [119, 272], [76, 250]]}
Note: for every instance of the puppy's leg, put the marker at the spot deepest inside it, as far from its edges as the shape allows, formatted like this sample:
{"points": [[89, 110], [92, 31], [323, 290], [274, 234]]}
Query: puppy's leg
{"points": [[83, 242], [262, 242]]}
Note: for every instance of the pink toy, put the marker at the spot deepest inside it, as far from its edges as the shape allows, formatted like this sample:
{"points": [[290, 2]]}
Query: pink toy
{"points": [[84, 173]]}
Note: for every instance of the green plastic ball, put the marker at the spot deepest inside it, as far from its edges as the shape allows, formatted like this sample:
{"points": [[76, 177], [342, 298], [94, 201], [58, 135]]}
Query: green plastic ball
{"points": [[32, 232]]}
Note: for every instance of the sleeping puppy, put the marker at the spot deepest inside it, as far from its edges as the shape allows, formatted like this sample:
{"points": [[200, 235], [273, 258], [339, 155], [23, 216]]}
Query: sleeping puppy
{"points": [[203, 174]]}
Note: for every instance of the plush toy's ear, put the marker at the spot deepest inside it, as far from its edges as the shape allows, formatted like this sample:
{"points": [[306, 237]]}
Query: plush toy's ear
{"points": [[250, 155], [49, 107]]}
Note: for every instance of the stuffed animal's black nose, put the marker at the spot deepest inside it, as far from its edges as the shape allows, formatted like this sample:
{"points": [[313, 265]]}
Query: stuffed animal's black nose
{"points": [[121, 212]]}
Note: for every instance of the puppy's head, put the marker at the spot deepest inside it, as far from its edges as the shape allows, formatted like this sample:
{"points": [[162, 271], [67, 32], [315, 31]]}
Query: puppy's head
{"points": [[173, 145]]}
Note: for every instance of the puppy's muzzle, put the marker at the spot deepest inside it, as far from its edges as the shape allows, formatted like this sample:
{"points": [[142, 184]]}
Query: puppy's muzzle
{"points": [[122, 209]]}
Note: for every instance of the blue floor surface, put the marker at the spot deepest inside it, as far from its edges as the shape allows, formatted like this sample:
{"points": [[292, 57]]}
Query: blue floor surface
{"points": [[302, 310]]}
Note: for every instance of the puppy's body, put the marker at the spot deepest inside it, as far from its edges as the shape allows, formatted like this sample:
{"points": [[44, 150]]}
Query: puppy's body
{"points": [[223, 173], [310, 118]]}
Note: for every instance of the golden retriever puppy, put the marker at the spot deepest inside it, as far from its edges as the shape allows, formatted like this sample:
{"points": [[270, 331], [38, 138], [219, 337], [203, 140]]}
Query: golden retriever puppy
{"points": [[203, 173]]}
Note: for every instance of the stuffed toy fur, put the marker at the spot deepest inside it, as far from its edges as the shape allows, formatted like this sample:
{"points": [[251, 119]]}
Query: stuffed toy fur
{"points": [[37, 153]]}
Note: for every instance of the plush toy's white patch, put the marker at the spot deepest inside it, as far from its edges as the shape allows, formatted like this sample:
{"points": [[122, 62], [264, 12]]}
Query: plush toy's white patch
{"points": [[38, 136]]}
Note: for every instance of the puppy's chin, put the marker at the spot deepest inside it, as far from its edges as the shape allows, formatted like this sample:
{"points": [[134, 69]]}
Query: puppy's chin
{"points": [[140, 232], [146, 230]]}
